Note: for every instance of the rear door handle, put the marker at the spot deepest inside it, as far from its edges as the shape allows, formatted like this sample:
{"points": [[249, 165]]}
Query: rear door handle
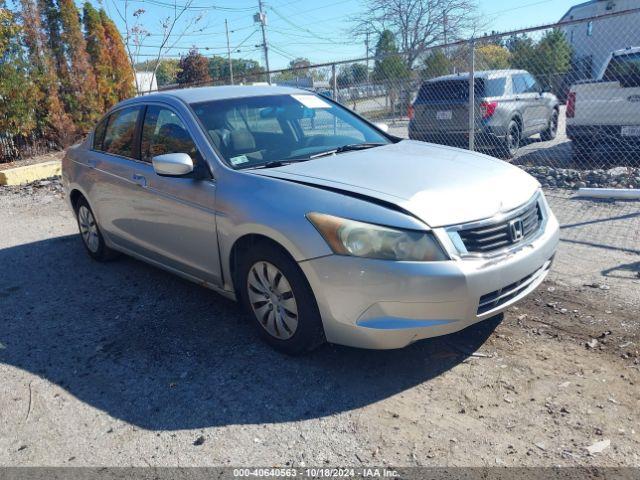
{"points": [[91, 163], [139, 179]]}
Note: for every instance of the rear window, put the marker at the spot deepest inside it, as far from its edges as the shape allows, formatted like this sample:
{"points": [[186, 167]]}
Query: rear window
{"points": [[459, 89], [624, 69]]}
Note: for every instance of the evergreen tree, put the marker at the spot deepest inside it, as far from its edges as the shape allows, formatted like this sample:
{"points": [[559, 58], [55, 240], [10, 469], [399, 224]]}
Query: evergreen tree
{"points": [[388, 67], [98, 55], [122, 74], [194, 69], [17, 102], [436, 65], [51, 118], [82, 98], [53, 33]]}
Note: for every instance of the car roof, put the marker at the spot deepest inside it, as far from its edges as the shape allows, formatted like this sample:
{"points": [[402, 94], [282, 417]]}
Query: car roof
{"points": [[205, 94], [478, 74]]}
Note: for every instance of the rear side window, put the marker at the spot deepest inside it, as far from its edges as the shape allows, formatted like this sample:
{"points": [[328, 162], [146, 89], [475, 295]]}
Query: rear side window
{"points": [[119, 137], [624, 69], [163, 132], [98, 134], [495, 87]]}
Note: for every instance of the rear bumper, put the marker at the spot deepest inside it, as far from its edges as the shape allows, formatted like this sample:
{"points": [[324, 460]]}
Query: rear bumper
{"points": [[602, 136], [488, 137], [379, 304]]}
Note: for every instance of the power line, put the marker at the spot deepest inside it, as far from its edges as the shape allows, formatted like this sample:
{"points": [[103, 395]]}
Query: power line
{"points": [[160, 3]]}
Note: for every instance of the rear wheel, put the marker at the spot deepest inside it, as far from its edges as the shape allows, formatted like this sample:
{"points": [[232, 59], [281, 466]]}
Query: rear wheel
{"points": [[90, 233], [552, 130], [279, 299], [511, 142]]}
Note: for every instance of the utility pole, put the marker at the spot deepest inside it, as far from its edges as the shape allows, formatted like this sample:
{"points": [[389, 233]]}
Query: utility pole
{"points": [[366, 45], [226, 27], [262, 18]]}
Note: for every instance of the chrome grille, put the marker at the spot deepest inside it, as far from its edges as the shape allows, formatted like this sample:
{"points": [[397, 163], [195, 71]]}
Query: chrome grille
{"points": [[499, 235]]}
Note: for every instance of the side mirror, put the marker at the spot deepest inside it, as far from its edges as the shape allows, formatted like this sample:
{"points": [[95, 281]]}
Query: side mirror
{"points": [[382, 126], [173, 164]]}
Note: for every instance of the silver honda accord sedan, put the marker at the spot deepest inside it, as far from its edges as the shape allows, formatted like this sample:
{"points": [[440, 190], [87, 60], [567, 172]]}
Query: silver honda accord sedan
{"points": [[324, 226]]}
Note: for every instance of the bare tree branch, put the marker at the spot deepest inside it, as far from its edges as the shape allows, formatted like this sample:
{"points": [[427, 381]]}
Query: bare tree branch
{"points": [[419, 24]]}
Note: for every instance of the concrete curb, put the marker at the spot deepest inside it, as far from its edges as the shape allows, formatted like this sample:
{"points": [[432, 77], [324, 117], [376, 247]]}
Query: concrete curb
{"points": [[30, 173]]}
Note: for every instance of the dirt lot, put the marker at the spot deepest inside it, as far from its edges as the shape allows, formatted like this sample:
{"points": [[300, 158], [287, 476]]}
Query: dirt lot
{"points": [[122, 364]]}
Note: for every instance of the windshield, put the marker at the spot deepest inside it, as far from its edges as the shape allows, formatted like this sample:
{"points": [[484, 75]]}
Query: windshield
{"points": [[256, 131]]}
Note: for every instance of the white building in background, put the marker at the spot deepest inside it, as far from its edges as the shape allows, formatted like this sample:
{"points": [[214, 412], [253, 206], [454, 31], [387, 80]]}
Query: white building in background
{"points": [[146, 82], [593, 41]]}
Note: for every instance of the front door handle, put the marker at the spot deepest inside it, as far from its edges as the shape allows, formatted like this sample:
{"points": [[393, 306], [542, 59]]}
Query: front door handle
{"points": [[139, 179], [91, 163]]}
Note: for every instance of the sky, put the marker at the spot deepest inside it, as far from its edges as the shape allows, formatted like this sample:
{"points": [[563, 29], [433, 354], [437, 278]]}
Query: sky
{"points": [[317, 30]]}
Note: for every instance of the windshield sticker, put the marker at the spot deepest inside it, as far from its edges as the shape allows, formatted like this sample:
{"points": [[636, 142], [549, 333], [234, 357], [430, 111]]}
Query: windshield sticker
{"points": [[239, 160], [311, 101]]}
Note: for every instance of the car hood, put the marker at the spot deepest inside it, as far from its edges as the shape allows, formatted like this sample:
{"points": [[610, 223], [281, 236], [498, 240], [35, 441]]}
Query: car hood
{"points": [[439, 185]]}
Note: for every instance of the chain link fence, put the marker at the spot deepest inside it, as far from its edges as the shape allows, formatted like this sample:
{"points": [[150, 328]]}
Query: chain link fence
{"points": [[562, 101]]}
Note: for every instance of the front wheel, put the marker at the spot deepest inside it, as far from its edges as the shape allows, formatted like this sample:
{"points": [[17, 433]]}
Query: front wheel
{"points": [[90, 233], [279, 299]]}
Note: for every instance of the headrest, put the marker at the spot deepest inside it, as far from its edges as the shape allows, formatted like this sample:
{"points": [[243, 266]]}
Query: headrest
{"points": [[242, 141]]}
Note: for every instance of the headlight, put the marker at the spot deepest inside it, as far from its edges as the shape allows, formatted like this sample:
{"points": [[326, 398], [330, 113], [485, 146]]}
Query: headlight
{"points": [[349, 237]]}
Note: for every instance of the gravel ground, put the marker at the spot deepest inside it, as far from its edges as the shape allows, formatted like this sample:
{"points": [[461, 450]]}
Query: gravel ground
{"points": [[122, 364]]}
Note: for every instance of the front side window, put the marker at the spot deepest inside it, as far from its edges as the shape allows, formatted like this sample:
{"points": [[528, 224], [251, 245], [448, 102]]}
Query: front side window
{"points": [[120, 132], [98, 134], [519, 84], [532, 85], [255, 131], [163, 132]]}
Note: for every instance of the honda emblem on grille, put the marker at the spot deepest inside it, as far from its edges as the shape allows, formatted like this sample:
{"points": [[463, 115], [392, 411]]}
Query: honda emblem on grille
{"points": [[516, 230]]}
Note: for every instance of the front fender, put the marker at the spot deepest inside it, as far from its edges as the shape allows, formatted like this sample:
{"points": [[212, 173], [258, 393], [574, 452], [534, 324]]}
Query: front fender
{"points": [[251, 204]]}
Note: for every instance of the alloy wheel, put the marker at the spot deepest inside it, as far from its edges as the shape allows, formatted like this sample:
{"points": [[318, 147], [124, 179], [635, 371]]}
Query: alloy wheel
{"points": [[513, 139], [272, 300], [88, 229]]}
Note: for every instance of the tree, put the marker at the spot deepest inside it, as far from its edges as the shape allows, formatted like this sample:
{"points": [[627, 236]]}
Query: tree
{"points": [[51, 118], [82, 99], [351, 74], [418, 24], [243, 69], [97, 49], [194, 69], [53, 33], [174, 28], [435, 65], [491, 56], [548, 60], [17, 91], [167, 72], [389, 66], [523, 52], [122, 73], [554, 54]]}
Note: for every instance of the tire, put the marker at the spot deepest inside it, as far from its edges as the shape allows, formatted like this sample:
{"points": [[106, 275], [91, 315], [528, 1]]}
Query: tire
{"points": [[552, 130], [279, 300], [511, 142], [90, 233]]}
